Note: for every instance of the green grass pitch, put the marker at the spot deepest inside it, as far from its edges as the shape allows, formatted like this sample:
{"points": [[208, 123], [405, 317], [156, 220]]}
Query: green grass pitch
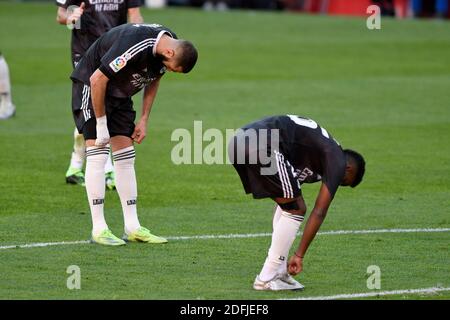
{"points": [[384, 93]]}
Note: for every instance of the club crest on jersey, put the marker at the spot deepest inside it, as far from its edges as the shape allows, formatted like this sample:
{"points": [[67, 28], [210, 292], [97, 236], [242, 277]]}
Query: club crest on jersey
{"points": [[118, 63]]}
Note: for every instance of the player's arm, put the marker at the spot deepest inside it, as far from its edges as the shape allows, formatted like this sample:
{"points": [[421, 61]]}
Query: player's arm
{"points": [[313, 224], [134, 15], [150, 92], [64, 17], [99, 82]]}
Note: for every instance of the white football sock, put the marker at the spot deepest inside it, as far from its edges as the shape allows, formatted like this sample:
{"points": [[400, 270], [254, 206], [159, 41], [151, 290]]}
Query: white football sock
{"points": [[7, 108], [276, 216], [109, 165], [95, 185], [79, 151], [126, 186], [283, 237], [5, 85]]}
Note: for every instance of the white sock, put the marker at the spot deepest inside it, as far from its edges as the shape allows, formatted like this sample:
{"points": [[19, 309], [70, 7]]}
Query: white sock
{"points": [[95, 186], [5, 84], [109, 165], [7, 108], [276, 217], [283, 237], [79, 151], [126, 186]]}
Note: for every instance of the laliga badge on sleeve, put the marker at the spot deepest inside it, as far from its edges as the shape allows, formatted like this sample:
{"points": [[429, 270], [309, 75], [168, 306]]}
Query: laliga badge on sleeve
{"points": [[118, 63]]}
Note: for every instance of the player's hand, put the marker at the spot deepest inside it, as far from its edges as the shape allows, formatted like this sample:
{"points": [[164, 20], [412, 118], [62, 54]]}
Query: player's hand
{"points": [[76, 14], [295, 265], [140, 131], [102, 132]]}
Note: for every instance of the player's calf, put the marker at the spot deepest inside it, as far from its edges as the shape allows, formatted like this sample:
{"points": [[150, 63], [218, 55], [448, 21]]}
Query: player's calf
{"points": [[95, 185]]}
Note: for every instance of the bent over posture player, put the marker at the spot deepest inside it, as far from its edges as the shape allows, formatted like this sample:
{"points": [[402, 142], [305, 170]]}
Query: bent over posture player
{"points": [[119, 64], [299, 151]]}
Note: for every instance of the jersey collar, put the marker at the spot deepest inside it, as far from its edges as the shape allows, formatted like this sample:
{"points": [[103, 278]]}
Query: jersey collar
{"points": [[160, 34]]}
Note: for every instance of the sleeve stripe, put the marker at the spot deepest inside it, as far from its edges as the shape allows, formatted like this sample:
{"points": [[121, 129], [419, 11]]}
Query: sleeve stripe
{"points": [[120, 62], [141, 48], [133, 50]]}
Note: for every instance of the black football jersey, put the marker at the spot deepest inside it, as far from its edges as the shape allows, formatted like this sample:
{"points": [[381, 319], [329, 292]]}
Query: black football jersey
{"points": [[126, 55], [312, 152], [98, 17]]}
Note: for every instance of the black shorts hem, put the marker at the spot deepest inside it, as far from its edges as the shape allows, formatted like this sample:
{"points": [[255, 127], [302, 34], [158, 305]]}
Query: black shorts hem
{"points": [[120, 114]]}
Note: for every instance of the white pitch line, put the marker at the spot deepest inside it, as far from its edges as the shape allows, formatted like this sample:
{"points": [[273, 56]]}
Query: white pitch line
{"points": [[221, 236], [42, 244], [385, 231], [374, 294], [235, 236]]}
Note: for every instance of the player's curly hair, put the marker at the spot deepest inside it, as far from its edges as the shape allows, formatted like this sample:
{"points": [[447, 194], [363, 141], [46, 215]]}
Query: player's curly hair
{"points": [[188, 56], [360, 165]]}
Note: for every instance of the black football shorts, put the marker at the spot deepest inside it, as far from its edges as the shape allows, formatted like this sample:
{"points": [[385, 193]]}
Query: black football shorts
{"points": [[279, 183], [119, 113]]}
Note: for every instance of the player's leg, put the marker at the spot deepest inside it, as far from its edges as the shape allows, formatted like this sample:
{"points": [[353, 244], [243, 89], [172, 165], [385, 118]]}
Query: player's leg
{"points": [[7, 108], [75, 174], [124, 158], [121, 127], [276, 216], [95, 189], [287, 220], [279, 212], [279, 185], [282, 187], [95, 164]]}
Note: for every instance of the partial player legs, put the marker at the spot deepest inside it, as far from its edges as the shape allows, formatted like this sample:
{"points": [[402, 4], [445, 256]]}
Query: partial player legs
{"points": [[95, 189], [127, 187], [75, 174], [7, 108], [286, 224], [124, 158]]}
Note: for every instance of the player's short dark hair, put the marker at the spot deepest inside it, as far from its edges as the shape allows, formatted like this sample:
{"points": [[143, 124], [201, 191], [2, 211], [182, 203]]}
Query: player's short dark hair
{"points": [[188, 56], [360, 165]]}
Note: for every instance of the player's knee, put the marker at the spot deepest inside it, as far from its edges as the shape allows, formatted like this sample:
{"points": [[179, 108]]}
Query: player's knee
{"points": [[90, 143], [295, 207]]}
